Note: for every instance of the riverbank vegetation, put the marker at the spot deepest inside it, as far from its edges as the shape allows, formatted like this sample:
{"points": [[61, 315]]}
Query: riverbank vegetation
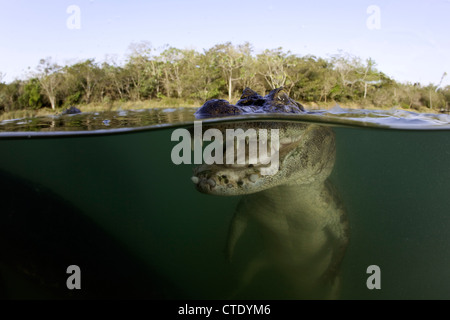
{"points": [[172, 77]]}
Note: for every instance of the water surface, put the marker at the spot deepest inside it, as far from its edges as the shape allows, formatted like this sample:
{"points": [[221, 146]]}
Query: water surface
{"points": [[104, 188]]}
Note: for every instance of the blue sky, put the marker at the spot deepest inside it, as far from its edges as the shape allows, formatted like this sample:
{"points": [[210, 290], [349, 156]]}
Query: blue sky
{"points": [[410, 40]]}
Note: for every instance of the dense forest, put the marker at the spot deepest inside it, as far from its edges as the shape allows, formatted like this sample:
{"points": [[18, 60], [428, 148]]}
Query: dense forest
{"points": [[222, 71]]}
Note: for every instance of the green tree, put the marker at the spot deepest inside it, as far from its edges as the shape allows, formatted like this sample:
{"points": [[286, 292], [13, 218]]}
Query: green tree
{"points": [[222, 70], [366, 74], [176, 65], [207, 77], [9, 95], [83, 77], [143, 71], [49, 76], [31, 96], [271, 67], [230, 60], [114, 84]]}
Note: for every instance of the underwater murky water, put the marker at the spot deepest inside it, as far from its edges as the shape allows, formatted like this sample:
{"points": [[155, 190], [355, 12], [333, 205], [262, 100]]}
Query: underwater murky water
{"points": [[112, 202]]}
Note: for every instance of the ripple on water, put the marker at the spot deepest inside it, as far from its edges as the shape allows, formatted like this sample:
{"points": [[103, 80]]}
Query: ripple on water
{"points": [[117, 121]]}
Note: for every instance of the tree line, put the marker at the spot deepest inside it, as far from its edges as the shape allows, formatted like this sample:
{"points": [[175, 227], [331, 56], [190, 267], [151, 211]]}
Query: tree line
{"points": [[222, 71]]}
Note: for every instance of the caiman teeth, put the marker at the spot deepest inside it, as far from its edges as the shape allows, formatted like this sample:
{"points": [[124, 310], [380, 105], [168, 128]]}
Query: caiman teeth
{"points": [[211, 182], [286, 140], [195, 179]]}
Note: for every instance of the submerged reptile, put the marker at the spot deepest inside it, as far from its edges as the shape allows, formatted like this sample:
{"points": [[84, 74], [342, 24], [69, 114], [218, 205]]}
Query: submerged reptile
{"points": [[297, 210]]}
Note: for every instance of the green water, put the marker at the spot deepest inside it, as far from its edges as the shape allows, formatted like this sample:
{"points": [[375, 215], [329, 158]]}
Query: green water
{"points": [[118, 207]]}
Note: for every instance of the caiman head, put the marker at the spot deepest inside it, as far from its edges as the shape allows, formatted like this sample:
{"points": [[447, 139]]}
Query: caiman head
{"points": [[303, 153]]}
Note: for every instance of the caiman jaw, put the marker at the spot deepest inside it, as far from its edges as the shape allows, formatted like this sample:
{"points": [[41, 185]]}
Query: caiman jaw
{"points": [[218, 179], [236, 179]]}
